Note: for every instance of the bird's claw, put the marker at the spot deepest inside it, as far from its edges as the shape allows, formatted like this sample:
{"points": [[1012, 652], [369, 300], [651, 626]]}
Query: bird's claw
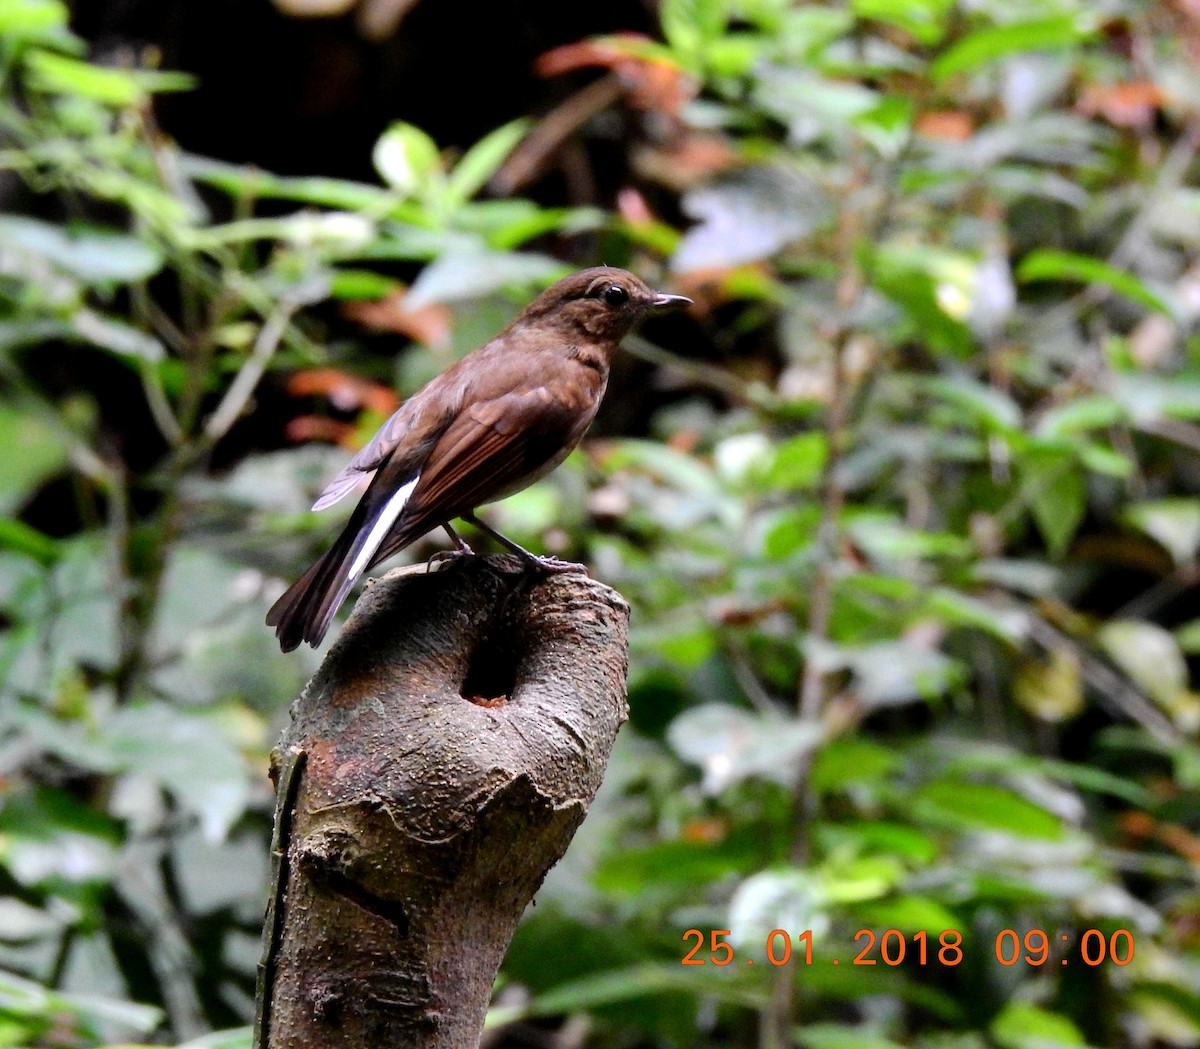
{"points": [[553, 566], [448, 556]]}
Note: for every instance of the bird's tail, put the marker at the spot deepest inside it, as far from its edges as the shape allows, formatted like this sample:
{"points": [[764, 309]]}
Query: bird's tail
{"points": [[375, 531], [308, 606]]}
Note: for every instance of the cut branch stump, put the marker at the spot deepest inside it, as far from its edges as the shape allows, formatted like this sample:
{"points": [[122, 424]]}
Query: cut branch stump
{"points": [[435, 768]]}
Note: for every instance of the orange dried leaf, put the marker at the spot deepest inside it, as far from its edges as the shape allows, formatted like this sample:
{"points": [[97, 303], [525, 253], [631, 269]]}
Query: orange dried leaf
{"points": [[585, 54], [344, 391], [685, 441], [653, 83], [1133, 104], [319, 428], [953, 125], [429, 325], [686, 160], [705, 832]]}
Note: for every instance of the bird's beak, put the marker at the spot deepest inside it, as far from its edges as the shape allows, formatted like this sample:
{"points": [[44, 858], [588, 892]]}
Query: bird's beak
{"points": [[670, 302]]}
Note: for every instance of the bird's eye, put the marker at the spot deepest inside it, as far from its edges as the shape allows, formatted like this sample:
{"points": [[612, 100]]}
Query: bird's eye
{"points": [[615, 295]]}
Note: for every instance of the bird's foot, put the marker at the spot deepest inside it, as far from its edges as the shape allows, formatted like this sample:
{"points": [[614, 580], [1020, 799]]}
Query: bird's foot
{"points": [[553, 566], [448, 556], [548, 565]]}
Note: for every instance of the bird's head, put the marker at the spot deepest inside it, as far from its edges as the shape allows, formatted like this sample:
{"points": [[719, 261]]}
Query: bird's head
{"points": [[602, 303]]}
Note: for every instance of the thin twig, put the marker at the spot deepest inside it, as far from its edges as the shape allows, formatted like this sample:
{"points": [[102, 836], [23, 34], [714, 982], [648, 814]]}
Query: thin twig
{"points": [[708, 376], [1114, 691], [524, 163], [811, 692], [160, 407], [1171, 175], [247, 379], [1182, 433]]}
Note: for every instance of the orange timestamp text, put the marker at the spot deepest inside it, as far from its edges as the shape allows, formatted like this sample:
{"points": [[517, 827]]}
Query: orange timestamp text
{"points": [[892, 947]]}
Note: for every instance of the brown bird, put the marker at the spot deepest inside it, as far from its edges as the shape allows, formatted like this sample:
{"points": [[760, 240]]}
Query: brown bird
{"points": [[488, 426]]}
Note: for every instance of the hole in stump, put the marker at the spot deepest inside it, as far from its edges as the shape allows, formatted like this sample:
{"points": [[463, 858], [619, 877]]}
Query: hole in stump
{"points": [[492, 673]]}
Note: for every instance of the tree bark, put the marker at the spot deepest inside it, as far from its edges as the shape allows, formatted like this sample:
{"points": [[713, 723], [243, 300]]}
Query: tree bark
{"points": [[435, 768]]}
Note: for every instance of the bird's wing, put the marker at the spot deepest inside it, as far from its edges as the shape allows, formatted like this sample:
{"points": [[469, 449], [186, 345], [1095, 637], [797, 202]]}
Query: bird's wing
{"points": [[356, 473], [493, 448], [407, 435]]}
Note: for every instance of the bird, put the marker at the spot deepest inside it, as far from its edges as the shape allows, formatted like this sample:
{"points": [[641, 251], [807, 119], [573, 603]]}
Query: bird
{"points": [[491, 424]]}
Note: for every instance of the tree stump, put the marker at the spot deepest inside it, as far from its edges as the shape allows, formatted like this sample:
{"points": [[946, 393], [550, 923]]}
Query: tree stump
{"points": [[435, 768]]}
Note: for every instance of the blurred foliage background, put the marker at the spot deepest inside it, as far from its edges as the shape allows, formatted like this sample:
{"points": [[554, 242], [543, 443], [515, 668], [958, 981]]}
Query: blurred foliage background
{"points": [[907, 508]]}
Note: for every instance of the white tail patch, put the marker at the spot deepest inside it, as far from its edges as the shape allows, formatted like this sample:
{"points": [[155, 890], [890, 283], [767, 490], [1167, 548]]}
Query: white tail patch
{"points": [[383, 525]]}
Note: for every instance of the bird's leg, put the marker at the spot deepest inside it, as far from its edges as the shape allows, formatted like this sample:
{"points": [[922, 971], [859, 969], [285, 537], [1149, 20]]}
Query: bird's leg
{"points": [[457, 540], [460, 548], [542, 564]]}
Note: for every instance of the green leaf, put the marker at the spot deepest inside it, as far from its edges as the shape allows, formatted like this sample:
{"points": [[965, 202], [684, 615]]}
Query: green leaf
{"points": [[234, 1038], [31, 19], [796, 464], [731, 744], [1149, 655], [806, 29], [849, 761], [113, 87], [1080, 414], [848, 881], [984, 404], [985, 46], [886, 538], [889, 673], [476, 272], [1050, 689], [733, 54], [933, 286], [1021, 1025], [24, 998], [406, 158], [791, 899], [187, 754], [955, 608], [859, 837], [925, 20], [631, 872], [1187, 637], [1101, 459], [360, 285], [40, 453], [111, 334], [910, 914], [1173, 523], [1054, 488], [1151, 398], [91, 254], [17, 536], [624, 985], [888, 126], [481, 162], [985, 807], [839, 1036], [690, 25], [250, 182], [1051, 264]]}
